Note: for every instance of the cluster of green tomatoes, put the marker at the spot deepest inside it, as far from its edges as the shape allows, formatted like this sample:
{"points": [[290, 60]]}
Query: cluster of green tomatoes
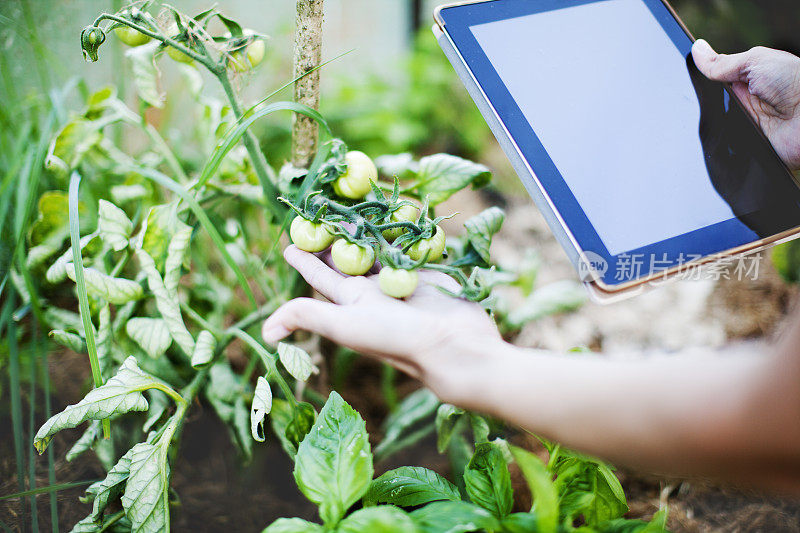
{"points": [[383, 223]]}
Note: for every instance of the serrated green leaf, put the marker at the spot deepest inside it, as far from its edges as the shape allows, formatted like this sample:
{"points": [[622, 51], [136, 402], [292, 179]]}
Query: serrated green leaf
{"points": [[102, 286], [453, 517], [447, 416], [488, 481], [104, 492], [296, 361], [558, 297], [382, 519], [145, 74], [168, 307], [121, 394], [86, 441], [333, 466], [442, 175], [151, 334], [114, 225], [204, 349], [262, 404], [146, 496], [409, 486], [73, 341], [293, 525], [481, 228], [540, 482]]}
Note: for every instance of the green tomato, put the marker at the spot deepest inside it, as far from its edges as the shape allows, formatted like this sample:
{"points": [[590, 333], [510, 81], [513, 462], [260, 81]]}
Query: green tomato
{"points": [[309, 236], [178, 56], [352, 259], [397, 283], [131, 37], [250, 57], [406, 213], [435, 244], [354, 183]]}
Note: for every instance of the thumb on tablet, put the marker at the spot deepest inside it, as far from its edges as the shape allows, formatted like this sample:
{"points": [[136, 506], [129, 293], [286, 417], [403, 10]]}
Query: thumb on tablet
{"points": [[719, 67]]}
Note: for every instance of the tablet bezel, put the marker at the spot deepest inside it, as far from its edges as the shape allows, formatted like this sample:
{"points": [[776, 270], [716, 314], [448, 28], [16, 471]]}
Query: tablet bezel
{"points": [[706, 244]]}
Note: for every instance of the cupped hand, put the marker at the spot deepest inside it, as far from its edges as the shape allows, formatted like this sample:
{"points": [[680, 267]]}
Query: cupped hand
{"points": [[415, 334], [767, 81]]}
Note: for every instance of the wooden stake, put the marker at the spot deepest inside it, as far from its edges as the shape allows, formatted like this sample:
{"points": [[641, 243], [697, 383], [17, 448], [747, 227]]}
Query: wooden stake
{"points": [[307, 56]]}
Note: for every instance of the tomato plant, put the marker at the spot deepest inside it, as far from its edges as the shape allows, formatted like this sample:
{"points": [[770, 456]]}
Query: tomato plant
{"points": [[174, 262]]}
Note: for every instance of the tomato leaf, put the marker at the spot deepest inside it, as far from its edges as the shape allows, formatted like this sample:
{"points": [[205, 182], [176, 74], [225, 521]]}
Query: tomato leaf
{"points": [[296, 361], [168, 307], [409, 486], [121, 394], [204, 349], [102, 286], [58, 270], [480, 230], [73, 341], [262, 404], [453, 517], [558, 297], [145, 74], [113, 225], [176, 252], [146, 496], [488, 481], [383, 519], [442, 175], [401, 166], [545, 496], [333, 466], [151, 334], [86, 441], [101, 493]]}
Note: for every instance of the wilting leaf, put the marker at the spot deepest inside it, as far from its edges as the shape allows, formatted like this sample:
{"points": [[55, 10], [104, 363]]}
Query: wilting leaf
{"points": [[41, 252], [454, 517], [157, 231], [102, 286], [76, 138], [168, 307], [382, 519], [333, 466], [103, 492], [114, 226], [481, 228], [296, 361], [442, 175], [73, 341], [204, 349], [488, 481], [121, 394], [52, 217], [176, 251], [58, 270], [151, 334], [558, 297], [409, 486], [145, 75], [127, 193], [262, 404], [146, 496]]}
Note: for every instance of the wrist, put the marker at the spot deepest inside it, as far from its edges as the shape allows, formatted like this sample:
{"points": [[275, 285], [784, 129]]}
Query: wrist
{"points": [[457, 368]]}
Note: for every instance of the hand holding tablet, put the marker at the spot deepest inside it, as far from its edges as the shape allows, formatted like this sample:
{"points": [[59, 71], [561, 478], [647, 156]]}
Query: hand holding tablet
{"points": [[642, 165]]}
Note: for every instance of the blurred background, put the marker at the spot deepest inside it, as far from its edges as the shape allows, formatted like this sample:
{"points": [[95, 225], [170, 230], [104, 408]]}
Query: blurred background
{"points": [[392, 91]]}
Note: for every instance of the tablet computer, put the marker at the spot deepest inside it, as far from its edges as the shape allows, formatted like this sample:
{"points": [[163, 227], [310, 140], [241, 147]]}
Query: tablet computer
{"points": [[642, 166]]}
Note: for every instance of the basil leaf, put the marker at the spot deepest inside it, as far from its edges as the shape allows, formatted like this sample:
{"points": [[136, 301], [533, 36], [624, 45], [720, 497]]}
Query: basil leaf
{"points": [[453, 517], [488, 481], [545, 497], [409, 486], [446, 419], [333, 466], [383, 519], [293, 525]]}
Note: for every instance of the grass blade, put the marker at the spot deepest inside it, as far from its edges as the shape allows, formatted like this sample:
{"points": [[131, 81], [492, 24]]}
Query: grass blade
{"points": [[83, 299], [49, 489], [14, 389], [31, 454]]}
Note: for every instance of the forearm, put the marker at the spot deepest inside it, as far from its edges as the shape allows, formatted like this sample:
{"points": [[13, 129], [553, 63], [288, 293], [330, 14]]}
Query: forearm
{"points": [[692, 414]]}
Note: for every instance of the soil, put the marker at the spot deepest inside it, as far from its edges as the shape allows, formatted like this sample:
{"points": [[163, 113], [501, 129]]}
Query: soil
{"points": [[216, 491]]}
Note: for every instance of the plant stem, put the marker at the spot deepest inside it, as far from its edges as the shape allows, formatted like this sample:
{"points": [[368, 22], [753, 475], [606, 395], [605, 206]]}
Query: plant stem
{"points": [[307, 57]]}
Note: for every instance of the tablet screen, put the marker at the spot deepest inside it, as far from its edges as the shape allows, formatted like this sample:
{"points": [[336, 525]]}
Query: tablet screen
{"points": [[637, 150], [611, 99]]}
